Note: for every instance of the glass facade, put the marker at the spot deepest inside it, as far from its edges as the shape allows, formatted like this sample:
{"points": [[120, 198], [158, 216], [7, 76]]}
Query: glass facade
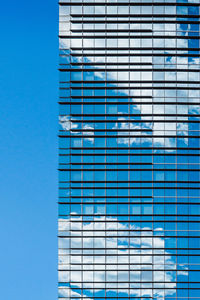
{"points": [[129, 150]]}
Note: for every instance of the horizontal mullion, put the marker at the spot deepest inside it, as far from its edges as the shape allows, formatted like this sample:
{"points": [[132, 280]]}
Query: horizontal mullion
{"points": [[112, 97], [128, 21], [134, 115], [126, 236], [130, 15], [131, 54], [128, 288], [127, 103], [111, 30], [115, 85], [132, 181], [133, 49], [131, 154], [121, 169], [108, 64], [135, 3], [131, 221], [111, 164], [130, 270], [133, 121], [131, 188], [150, 198], [104, 197], [135, 248], [70, 36], [138, 148], [131, 136], [140, 254], [128, 69], [148, 131], [122, 264], [139, 87], [111, 130], [140, 131], [117, 264], [127, 203], [131, 81]]}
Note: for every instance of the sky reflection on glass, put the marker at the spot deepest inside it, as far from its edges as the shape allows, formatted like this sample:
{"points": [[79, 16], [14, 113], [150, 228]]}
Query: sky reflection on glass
{"points": [[129, 145]]}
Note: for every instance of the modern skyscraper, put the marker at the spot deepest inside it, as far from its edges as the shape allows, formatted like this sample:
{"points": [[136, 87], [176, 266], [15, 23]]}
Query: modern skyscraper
{"points": [[129, 150]]}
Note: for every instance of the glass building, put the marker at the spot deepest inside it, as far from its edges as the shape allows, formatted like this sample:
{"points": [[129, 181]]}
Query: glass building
{"points": [[129, 150]]}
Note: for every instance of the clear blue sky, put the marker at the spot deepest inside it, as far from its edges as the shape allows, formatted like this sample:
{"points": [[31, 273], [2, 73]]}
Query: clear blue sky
{"points": [[28, 149]]}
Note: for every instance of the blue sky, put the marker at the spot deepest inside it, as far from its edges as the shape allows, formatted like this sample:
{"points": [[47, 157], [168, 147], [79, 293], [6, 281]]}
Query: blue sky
{"points": [[28, 124]]}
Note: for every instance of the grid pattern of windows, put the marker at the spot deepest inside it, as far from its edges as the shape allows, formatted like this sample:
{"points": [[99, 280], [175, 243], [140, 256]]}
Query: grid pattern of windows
{"points": [[129, 150]]}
